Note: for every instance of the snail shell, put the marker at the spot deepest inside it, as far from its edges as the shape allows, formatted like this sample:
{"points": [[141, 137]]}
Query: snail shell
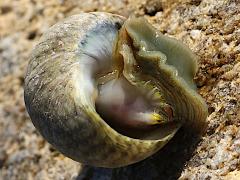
{"points": [[68, 79]]}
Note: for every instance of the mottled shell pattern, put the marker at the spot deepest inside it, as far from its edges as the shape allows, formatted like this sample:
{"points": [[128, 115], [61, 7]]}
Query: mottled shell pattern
{"points": [[61, 87]]}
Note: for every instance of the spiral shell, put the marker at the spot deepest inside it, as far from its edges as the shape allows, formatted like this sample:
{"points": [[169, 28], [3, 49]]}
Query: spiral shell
{"points": [[60, 92]]}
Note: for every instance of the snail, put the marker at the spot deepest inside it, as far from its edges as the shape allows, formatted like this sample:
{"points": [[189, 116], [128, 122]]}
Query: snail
{"points": [[109, 91]]}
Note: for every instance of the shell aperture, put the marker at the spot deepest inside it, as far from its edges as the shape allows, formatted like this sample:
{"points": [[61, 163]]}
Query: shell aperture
{"points": [[80, 65], [150, 56]]}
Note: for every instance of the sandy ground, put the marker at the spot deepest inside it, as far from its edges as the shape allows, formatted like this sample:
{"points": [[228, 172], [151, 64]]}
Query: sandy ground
{"points": [[211, 28]]}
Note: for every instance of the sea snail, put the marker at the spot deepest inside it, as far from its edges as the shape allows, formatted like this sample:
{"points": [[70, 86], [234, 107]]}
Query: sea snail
{"points": [[109, 91]]}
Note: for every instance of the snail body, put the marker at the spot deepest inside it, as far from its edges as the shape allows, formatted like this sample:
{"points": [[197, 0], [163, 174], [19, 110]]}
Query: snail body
{"points": [[109, 92]]}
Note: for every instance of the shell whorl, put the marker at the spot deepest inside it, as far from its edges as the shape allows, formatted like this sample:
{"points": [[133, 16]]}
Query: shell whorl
{"points": [[58, 88]]}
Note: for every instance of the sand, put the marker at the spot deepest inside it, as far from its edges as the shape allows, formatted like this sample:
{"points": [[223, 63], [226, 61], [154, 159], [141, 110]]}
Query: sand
{"points": [[211, 28]]}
